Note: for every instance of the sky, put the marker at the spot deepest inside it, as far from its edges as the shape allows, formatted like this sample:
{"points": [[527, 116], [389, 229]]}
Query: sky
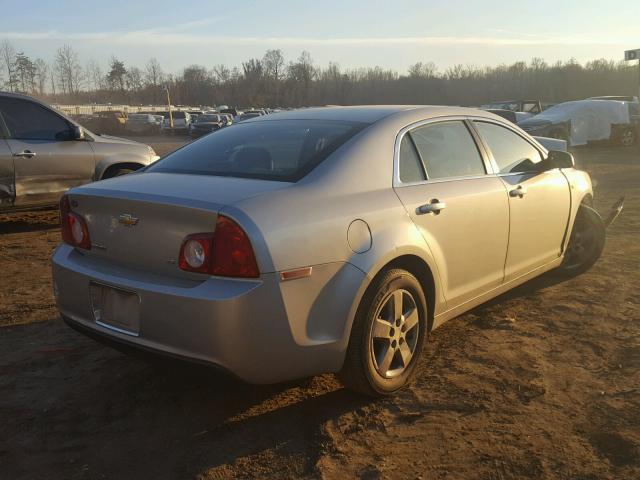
{"points": [[391, 34]]}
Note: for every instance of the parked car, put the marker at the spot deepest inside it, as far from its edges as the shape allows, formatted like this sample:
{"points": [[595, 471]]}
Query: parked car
{"points": [[181, 122], [247, 116], [582, 121], [526, 108], [321, 240], [227, 119], [205, 123], [512, 116], [109, 122], [43, 154], [144, 123]]}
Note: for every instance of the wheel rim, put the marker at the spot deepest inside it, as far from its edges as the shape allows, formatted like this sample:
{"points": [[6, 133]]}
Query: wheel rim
{"points": [[627, 138], [580, 246], [394, 334]]}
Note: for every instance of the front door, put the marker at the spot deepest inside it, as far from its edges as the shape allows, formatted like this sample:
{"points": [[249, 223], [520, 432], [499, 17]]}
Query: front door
{"points": [[539, 201], [462, 213], [47, 161], [7, 180]]}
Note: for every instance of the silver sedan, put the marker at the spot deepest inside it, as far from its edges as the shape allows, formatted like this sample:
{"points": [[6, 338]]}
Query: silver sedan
{"points": [[321, 240]]}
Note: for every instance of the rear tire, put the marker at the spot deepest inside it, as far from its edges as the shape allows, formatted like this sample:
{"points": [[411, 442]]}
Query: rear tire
{"points": [[585, 244], [627, 137], [387, 336]]}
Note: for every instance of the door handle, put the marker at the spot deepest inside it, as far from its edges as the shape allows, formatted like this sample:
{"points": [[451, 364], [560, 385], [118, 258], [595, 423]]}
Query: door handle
{"points": [[434, 206], [518, 192], [25, 153]]}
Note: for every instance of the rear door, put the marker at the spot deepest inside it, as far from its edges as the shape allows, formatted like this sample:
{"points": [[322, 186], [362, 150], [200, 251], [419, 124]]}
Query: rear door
{"points": [[462, 212], [539, 202], [47, 162]]}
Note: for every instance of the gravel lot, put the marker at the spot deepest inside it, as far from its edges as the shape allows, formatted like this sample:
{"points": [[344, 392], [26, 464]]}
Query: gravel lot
{"points": [[542, 382]]}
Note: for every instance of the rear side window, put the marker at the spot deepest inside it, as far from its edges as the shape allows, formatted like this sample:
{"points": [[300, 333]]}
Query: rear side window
{"points": [[283, 150], [447, 149], [29, 121], [411, 169], [512, 153]]}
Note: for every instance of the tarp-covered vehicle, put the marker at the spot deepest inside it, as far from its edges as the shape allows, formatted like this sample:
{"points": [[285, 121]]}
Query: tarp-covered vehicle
{"points": [[582, 121]]}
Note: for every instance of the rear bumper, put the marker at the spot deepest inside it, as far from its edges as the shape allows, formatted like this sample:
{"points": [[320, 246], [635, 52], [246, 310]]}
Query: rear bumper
{"points": [[262, 331]]}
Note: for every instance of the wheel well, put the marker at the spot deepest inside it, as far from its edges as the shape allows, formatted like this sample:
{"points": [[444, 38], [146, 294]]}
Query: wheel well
{"points": [[117, 166], [419, 268], [587, 200]]}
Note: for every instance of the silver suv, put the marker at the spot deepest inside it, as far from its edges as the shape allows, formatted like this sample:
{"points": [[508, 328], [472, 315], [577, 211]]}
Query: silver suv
{"points": [[43, 154]]}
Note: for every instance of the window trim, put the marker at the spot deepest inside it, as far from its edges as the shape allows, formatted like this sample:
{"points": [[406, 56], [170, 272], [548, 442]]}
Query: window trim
{"points": [[483, 154], [532, 141]]}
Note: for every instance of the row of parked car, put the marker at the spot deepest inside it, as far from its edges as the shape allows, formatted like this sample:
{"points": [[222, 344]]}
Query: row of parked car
{"points": [[580, 122], [194, 123]]}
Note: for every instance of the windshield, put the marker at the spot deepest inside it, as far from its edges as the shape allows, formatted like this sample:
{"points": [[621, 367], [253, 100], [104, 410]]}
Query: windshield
{"points": [[283, 150]]}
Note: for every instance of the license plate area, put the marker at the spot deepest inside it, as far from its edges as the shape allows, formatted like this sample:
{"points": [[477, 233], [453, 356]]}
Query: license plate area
{"points": [[115, 308]]}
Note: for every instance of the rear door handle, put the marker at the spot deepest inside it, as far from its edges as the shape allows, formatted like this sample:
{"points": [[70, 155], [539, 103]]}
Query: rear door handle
{"points": [[25, 153], [434, 206], [518, 192]]}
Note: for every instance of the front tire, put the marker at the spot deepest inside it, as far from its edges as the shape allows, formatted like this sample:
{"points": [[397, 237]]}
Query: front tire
{"points": [[387, 336], [585, 244], [117, 172]]}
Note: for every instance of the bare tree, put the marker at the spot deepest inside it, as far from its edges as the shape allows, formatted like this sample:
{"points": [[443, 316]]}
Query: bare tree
{"points": [[422, 70], [42, 70], [8, 57], [68, 70], [134, 81], [153, 75], [95, 76], [273, 63]]}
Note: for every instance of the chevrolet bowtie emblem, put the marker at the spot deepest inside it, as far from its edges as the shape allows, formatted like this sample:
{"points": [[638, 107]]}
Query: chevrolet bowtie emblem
{"points": [[127, 220]]}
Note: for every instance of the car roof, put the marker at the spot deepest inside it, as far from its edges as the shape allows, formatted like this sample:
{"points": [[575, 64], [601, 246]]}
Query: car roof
{"points": [[369, 113]]}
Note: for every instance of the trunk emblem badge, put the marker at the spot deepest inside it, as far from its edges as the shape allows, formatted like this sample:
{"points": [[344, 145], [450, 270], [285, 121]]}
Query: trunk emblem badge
{"points": [[127, 220]]}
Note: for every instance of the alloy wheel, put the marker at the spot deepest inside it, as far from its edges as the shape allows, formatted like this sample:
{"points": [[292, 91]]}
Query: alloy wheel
{"points": [[394, 334]]}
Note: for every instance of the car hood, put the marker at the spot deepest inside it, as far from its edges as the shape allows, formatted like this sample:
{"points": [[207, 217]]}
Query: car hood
{"points": [[110, 139]]}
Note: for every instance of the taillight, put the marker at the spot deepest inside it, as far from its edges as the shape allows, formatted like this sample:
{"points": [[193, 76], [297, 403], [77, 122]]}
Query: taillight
{"points": [[74, 228], [227, 252]]}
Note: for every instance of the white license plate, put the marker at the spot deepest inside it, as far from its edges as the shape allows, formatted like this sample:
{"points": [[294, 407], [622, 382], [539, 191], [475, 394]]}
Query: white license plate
{"points": [[116, 309]]}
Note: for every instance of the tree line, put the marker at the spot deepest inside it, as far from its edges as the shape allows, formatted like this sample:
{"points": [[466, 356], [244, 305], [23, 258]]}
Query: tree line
{"points": [[273, 81]]}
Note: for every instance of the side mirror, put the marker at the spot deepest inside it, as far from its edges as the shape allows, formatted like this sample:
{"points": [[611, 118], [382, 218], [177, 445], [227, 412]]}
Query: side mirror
{"points": [[559, 159], [77, 132]]}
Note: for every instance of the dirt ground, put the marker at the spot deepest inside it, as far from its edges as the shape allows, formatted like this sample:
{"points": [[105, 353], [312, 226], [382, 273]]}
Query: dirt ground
{"points": [[543, 382]]}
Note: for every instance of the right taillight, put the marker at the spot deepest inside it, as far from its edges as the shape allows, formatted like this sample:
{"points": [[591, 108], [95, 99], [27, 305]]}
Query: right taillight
{"points": [[74, 228], [227, 252]]}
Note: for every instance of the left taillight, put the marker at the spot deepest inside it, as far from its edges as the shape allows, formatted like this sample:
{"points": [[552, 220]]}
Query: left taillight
{"points": [[74, 228]]}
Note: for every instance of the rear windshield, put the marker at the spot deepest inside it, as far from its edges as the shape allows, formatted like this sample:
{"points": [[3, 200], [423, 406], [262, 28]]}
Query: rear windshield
{"points": [[283, 150]]}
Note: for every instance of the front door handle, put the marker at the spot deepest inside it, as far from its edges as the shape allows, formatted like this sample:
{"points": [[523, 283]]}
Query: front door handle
{"points": [[434, 206], [518, 192], [25, 153]]}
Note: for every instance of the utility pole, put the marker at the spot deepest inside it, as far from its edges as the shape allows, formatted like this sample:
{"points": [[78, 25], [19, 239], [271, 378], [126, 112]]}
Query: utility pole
{"points": [[169, 107]]}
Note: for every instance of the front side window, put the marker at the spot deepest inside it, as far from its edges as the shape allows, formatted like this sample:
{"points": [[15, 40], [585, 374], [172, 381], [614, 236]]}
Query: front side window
{"points": [[283, 150], [512, 153], [447, 149], [29, 121]]}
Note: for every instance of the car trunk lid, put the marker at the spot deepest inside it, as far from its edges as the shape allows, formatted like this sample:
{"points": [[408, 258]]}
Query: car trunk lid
{"points": [[140, 220]]}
